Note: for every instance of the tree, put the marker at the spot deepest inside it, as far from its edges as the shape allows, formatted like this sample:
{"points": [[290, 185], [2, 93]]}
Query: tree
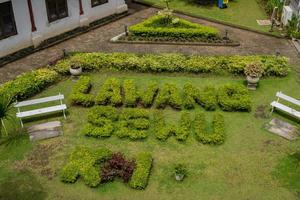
{"points": [[5, 107]]}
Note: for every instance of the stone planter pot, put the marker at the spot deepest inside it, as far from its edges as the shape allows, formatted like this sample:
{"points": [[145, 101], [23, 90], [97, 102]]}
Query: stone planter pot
{"points": [[252, 82], [76, 72], [179, 177]]}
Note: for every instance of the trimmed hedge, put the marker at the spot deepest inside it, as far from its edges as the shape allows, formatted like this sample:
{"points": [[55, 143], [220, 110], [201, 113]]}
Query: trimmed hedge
{"points": [[217, 136], [131, 95], [101, 121], [169, 94], [183, 130], [80, 92], [147, 96], [160, 130], [208, 98], [30, 83], [190, 94], [233, 97], [110, 93], [133, 123], [272, 65], [140, 176], [154, 28], [83, 162]]}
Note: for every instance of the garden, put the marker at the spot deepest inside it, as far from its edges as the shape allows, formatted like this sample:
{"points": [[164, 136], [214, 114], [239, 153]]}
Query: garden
{"points": [[151, 126]]}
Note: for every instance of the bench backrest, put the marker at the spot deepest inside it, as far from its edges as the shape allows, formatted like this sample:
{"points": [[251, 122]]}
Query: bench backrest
{"points": [[287, 98], [39, 101]]}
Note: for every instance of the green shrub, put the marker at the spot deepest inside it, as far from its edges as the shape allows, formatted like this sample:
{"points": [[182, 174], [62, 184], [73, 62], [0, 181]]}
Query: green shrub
{"points": [[28, 84], [152, 28], [140, 176], [80, 92], [101, 121], [133, 123], [160, 128], [233, 97], [183, 130], [147, 96], [217, 136], [110, 93], [130, 96], [168, 95], [83, 162], [102, 131], [207, 98], [272, 65], [190, 95]]}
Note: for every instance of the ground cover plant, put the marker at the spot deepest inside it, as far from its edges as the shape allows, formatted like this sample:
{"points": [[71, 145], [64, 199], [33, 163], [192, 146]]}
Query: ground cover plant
{"points": [[85, 162]]}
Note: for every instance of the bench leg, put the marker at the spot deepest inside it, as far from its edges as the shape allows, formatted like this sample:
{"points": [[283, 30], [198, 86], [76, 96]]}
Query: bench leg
{"points": [[64, 114], [21, 123]]}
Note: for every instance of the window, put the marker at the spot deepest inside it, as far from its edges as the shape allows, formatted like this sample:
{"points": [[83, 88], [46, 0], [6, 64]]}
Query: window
{"points": [[56, 9], [7, 20], [98, 2]]}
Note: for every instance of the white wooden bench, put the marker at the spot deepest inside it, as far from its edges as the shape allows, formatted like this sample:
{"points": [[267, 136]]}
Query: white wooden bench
{"points": [[62, 107], [282, 107]]}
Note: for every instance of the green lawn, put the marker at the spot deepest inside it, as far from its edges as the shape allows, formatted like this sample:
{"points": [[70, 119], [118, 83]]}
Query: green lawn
{"points": [[242, 168], [239, 12]]}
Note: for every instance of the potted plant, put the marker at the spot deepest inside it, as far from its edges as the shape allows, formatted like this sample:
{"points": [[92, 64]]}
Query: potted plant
{"points": [[76, 67], [253, 71], [180, 172]]}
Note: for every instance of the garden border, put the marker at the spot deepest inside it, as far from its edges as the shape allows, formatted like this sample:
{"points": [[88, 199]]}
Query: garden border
{"points": [[212, 20], [116, 40], [60, 38]]}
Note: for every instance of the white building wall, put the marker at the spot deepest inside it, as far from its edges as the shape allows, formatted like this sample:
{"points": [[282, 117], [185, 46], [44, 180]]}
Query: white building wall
{"points": [[45, 30], [23, 38]]}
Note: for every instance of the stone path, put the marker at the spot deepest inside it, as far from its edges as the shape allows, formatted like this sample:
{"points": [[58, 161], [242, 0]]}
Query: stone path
{"points": [[98, 40], [45, 130], [283, 129]]}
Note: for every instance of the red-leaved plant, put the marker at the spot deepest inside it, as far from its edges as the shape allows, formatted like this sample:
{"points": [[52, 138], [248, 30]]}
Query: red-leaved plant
{"points": [[117, 166]]}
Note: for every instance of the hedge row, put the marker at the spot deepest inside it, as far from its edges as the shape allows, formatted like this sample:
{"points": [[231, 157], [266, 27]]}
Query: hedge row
{"points": [[140, 176], [272, 65], [86, 163], [183, 29], [206, 98], [133, 123], [103, 121], [234, 98], [131, 96], [162, 131], [148, 95], [80, 92], [230, 97], [29, 83], [217, 136], [169, 94], [83, 163], [110, 93]]}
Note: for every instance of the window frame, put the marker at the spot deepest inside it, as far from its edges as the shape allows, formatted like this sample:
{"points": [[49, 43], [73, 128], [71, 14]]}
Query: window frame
{"points": [[56, 9], [12, 15], [98, 4]]}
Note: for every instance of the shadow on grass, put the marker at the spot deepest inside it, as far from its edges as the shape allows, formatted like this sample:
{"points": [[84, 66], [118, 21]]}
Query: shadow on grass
{"points": [[21, 186]]}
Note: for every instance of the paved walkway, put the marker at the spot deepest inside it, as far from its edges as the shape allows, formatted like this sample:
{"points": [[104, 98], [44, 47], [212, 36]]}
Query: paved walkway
{"points": [[98, 40]]}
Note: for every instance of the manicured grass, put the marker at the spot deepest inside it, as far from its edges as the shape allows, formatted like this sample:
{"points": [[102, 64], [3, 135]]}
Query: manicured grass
{"points": [[239, 12], [241, 168]]}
